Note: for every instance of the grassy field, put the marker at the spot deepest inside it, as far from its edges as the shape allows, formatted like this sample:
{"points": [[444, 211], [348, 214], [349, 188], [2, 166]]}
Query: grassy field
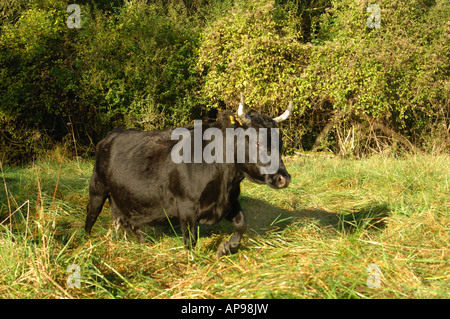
{"points": [[319, 238]]}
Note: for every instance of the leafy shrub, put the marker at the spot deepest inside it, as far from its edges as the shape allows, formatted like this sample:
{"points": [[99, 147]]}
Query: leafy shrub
{"points": [[136, 65], [36, 80], [252, 50], [132, 67], [155, 64], [249, 51], [396, 74]]}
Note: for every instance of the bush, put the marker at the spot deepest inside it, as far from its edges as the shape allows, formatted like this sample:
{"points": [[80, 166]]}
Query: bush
{"points": [[37, 83], [396, 74], [136, 65], [388, 83], [156, 64], [252, 50], [132, 66]]}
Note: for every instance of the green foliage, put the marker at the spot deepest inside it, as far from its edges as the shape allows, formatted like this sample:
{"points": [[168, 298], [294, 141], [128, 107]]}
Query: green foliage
{"points": [[136, 65], [156, 64], [36, 81], [254, 50], [397, 73], [251, 51], [132, 66]]}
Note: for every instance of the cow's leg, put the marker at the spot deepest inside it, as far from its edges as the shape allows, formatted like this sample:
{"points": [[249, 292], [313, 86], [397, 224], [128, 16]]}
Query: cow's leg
{"points": [[121, 220], [189, 233], [188, 221], [231, 246], [97, 197], [137, 231]]}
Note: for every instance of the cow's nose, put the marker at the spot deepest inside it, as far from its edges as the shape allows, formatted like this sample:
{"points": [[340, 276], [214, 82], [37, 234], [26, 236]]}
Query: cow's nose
{"points": [[282, 181]]}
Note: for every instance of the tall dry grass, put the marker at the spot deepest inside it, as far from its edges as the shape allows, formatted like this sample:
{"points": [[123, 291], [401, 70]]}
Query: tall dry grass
{"points": [[315, 239]]}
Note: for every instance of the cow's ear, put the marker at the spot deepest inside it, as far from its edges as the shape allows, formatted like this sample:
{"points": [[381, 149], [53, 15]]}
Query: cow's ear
{"points": [[229, 120]]}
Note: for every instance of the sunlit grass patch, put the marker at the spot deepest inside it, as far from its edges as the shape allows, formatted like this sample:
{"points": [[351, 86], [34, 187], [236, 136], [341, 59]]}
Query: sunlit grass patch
{"points": [[315, 239]]}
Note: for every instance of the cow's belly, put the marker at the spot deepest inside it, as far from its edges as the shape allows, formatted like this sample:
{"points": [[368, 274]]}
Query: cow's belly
{"points": [[141, 211]]}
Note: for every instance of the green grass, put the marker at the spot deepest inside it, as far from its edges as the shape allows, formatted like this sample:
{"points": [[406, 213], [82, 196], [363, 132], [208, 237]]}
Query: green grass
{"points": [[314, 239]]}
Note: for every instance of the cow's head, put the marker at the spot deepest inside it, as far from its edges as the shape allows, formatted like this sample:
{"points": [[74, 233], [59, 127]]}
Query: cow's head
{"points": [[262, 143]]}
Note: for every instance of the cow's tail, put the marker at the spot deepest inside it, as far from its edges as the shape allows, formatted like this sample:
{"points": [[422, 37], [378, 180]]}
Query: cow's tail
{"points": [[97, 197]]}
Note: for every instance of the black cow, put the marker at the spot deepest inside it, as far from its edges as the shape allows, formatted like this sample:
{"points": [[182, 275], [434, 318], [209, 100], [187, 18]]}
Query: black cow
{"points": [[135, 170]]}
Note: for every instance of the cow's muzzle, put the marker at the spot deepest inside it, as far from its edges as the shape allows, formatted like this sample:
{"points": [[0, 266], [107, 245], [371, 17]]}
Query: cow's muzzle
{"points": [[281, 181]]}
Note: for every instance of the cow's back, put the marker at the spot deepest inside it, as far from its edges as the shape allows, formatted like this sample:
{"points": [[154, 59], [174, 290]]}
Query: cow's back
{"points": [[130, 149]]}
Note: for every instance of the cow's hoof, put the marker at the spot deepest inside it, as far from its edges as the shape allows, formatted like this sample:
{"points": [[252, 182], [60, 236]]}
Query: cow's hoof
{"points": [[227, 248], [223, 250]]}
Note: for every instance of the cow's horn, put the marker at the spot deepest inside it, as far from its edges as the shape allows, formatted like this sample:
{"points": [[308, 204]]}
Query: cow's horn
{"points": [[285, 115], [242, 114]]}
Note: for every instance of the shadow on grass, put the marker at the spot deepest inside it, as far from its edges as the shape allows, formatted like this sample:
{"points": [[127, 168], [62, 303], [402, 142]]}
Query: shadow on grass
{"points": [[262, 217], [371, 217]]}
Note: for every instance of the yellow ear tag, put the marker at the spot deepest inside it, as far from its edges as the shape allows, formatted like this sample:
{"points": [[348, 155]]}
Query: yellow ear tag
{"points": [[232, 119]]}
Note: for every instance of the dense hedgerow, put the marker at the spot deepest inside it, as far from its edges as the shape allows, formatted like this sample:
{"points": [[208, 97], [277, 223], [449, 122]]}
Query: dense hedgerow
{"points": [[155, 64]]}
